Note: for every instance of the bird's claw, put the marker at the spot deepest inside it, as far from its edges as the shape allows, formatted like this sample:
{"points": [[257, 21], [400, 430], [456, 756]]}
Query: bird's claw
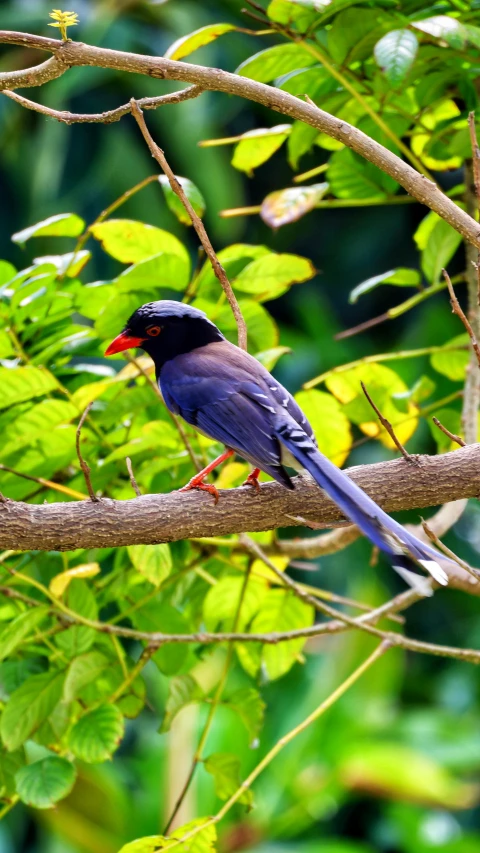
{"points": [[252, 480], [202, 487]]}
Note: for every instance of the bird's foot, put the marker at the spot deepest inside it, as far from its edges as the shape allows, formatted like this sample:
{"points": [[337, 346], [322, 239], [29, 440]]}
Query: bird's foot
{"points": [[252, 480], [196, 483]]}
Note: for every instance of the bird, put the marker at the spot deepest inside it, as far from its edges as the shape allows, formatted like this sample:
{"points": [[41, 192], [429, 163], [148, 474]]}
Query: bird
{"points": [[228, 395]]}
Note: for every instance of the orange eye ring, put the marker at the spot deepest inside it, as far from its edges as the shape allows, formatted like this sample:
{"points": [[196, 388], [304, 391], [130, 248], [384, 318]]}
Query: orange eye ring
{"points": [[153, 331]]}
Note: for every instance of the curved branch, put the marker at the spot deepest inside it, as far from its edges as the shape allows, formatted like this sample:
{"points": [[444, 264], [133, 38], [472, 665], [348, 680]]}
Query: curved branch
{"points": [[395, 485], [109, 116], [76, 53], [36, 76]]}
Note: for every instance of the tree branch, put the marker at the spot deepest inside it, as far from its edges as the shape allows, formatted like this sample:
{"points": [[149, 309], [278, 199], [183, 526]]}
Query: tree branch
{"points": [[171, 517], [109, 116], [71, 53]]}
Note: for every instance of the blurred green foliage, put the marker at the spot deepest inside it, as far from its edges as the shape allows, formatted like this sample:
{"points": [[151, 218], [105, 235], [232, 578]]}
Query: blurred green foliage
{"points": [[393, 766]]}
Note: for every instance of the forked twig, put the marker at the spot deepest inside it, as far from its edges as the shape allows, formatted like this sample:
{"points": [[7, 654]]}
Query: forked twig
{"points": [[460, 313], [197, 223], [388, 427], [83, 465]]}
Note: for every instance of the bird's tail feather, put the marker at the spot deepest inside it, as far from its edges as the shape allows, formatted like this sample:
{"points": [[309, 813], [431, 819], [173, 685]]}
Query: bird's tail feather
{"points": [[403, 548]]}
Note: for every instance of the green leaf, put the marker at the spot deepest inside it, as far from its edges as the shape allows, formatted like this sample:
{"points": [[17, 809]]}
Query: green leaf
{"points": [[36, 422], [24, 383], [329, 423], [301, 13], [97, 734], [82, 671], [351, 177], [262, 331], [284, 206], [202, 842], [221, 602], [452, 420], [186, 45], [6, 348], [10, 763], [192, 192], [272, 275], [77, 639], [438, 242], [130, 241], [257, 146], [402, 277], [270, 357], [452, 363], [45, 782], [7, 272], [154, 562], [225, 769], [355, 33], [20, 628], [164, 269], [60, 225], [300, 141], [280, 611], [233, 259], [158, 615], [182, 691], [395, 54], [70, 264], [274, 62], [29, 706], [250, 707]]}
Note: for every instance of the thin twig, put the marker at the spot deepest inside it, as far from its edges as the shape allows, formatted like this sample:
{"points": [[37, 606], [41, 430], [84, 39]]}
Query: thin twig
{"points": [[447, 432], [456, 309], [475, 573], [83, 465], [197, 223], [132, 477], [280, 744], [388, 427], [47, 484], [109, 116]]}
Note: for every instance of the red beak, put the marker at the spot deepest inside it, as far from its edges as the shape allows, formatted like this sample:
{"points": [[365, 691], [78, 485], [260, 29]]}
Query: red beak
{"points": [[122, 342]]}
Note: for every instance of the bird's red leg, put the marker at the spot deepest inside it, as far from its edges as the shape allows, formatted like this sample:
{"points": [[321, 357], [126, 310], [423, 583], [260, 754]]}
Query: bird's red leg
{"points": [[197, 481], [252, 479]]}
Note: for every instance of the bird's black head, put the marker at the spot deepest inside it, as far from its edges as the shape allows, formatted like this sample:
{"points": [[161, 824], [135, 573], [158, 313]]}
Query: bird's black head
{"points": [[165, 329]]}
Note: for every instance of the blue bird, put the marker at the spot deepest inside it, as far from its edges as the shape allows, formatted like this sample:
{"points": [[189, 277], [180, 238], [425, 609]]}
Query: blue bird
{"points": [[229, 396]]}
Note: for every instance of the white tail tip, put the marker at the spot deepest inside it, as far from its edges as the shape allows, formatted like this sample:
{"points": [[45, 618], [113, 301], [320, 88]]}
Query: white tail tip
{"points": [[435, 571], [419, 583]]}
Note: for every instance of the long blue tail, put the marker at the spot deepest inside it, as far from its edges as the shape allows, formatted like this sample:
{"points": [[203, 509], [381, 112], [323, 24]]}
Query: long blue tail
{"points": [[402, 547]]}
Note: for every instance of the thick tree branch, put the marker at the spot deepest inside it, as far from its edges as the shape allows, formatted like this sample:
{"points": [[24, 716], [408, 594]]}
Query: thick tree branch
{"points": [[78, 54], [395, 485]]}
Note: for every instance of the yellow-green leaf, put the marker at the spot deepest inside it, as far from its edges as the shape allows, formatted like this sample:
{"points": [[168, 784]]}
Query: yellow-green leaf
{"points": [[97, 734], [257, 146], [452, 363], [154, 562], [330, 424], [402, 277], [186, 45], [130, 241], [274, 62], [201, 839], [272, 275], [61, 582], [381, 383], [225, 769], [60, 225], [24, 383]]}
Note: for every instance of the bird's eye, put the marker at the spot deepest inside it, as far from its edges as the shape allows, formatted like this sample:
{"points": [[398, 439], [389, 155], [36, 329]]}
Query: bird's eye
{"points": [[153, 331]]}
